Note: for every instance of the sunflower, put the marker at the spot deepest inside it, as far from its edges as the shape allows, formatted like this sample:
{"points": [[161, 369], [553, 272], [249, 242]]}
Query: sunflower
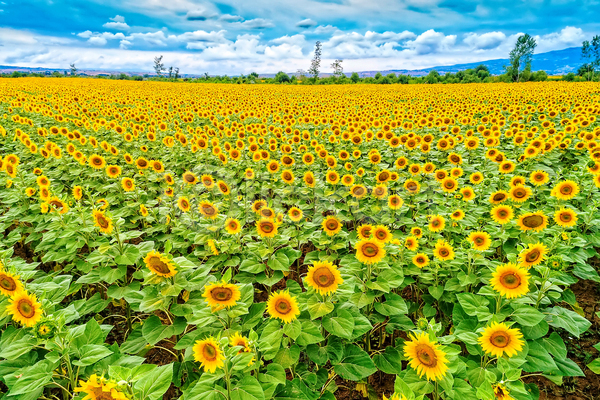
{"points": [[437, 223], [467, 193], [324, 277], [457, 215], [143, 210], [266, 212], [565, 190], [498, 197], [443, 250], [380, 191], [213, 247], [420, 260], [283, 306], [364, 231], [43, 181], [331, 225], [183, 203], [232, 226], [449, 185], [102, 221], [10, 284], [565, 217], [535, 221], [498, 339], [208, 353], [24, 308], [412, 186], [395, 202], [223, 188], [519, 193], [369, 251], [395, 396], [99, 388], [266, 228], [480, 240], [295, 214], [501, 392], [287, 176], [502, 214], [238, 340], [425, 356], [58, 205], [77, 192], [358, 191], [102, 203], [128, 184], [190, 178], [416, 232], [208, 209], [510, 280], [309, 179], [381, 233], [533, 255], [411, 243], [258, 205], [113, 171], [249, 173], [96, 161], [221, 295], [29, 191], [160, 265]]}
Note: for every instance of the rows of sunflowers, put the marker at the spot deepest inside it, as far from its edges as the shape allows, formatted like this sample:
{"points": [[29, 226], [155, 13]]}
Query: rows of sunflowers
{"points": [[255, 242]]}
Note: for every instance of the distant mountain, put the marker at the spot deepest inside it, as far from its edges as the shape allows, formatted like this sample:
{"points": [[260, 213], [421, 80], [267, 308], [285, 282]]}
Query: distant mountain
{"points": [[557, 62]]}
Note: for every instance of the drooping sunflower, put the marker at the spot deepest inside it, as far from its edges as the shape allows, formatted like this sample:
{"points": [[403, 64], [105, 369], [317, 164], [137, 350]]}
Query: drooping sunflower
{"points": [[233, 226], [102, 221], [395, 202], [184, 204], [480, 241], [565, 217], [208, 353], [498, 339], [77, 192], [443, 251], [295, 214], [331, 225], [208, 209], [99, 388], [266, 228], [10, 284], [437, 223], [159, 265], [420, 260], [502, 214], [369, 251], [535, 221], [283, 306], [381, 233], [565, 190], [24, 308], [533, 255], [324, 277], [128, 184], [510, 280], [519, 193], [539, 178], [425, 357], [221, 295]]}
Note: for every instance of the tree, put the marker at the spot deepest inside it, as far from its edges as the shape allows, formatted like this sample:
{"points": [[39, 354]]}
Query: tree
{"points": [[591, 52], [170, 72], [354, 77], [176, 73], [520, 57], [159, 67], [338, 70], [316, 62], [282, 77], [73, 70]]}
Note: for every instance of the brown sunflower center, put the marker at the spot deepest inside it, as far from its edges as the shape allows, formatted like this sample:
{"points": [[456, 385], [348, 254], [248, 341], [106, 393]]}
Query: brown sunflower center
{"points": [[426, 355], [233, 225], [287, 176], [443, 252], [99, 394], [283, 306], [188, 178], [499, 197], [102, 221], [158, 265], [519, 193], [510, 280], [436, 223], [479, 240], [323, 277], [223, 188], [266, 227], [96, 161], [395, 201], [455, 158], [56, 204], [7, 283], [500, 339], [420, 260], [221, 294], [533, 221], [532, 255], [267, 213], [566, 217], [384, 176], [449, 184], [370, 250], [184, 204], [26, 308], [502, 213], [209, 352], [566, 189], [332, 224], [412, 186], [208, 210]]}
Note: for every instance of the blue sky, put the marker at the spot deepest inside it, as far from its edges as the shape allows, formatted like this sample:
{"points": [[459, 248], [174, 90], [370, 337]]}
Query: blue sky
{"points": [[241, 36]]}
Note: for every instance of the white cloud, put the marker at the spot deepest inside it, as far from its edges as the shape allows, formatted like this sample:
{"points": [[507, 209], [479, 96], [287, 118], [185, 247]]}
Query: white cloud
{"points": [[86, 34], [157, 38], [97, 41], [118, 23], [431, 42], [200, 14], [257, 23], [486, 41], [306, 23], [124, 44], [230, 18], [567, 37]]}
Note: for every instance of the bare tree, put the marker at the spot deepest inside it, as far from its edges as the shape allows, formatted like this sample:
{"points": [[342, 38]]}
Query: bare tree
{"points": [[316, 62], [159, 67], [73, 69]]}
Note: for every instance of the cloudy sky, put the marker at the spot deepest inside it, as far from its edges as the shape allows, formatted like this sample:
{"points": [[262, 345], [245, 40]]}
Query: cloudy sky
{"points": [[266, 36]]}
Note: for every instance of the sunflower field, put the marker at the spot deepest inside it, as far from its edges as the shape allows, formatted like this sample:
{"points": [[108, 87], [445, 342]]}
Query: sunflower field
{"points": [[249, 242]]}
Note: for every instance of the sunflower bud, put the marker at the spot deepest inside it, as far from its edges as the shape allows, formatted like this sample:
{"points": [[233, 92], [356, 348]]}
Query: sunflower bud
{"points": [[422, 324]]}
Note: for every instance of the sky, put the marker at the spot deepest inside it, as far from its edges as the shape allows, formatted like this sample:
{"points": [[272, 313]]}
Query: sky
{"points": [[236, 37]]}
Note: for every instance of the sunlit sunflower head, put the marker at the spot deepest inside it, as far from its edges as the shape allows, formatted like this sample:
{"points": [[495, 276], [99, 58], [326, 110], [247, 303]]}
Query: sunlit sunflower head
{"points": [[395, 202], [266, 212], [58, 205], [420, 260], [24, 308], [467, 193], [331, 225], [208, 209], [498, 197], [395, 396], [457, 215], [411, 243], [43, 181], [221, 295], [480, 241], [501, 392], [77, 192], [266, 228], [258, 205], [232, 226], [519, 193], [207, 181], [238, 340], [565, 190], [364, 231], [535, 221], [358, 191], [565, 217], [412, 186], [381, 233], [102, 221], [295, 214], [416, 232], [113, 171], [510, 280], [96, 161], [10, 284], [309, 179], [533, 255], [443, 251], [128, 184], [369, 251], [159, 264], [209, 354], [498, 339], [283, 306], [436, 223], [189, 178], [249, 173], [324, 277], [184, 204], [476, 178], [29, 191], [425, 356], [449, 185], [99, 388], [380, 191], [502, 214], [223, 188]]}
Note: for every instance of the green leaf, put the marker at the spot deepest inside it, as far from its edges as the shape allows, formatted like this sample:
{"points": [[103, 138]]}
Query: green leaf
{"points": [[279, 261], [390, 361], [342, 325], [318, 308], [248, 389], [154, 331], [474, 305], [270, 339], [538, 359], [568, 367], [527, 316], [569, 320], [393, 305], [436, 291], [275, 373], [91, 353], [154, 383], [288, 356], [293, 329], [594, 366], [310, 334], [356, 364], [30, 379]]}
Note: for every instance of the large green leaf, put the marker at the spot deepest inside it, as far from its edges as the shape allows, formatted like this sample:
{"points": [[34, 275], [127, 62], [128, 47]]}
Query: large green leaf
{"points": [[355, 364]]}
